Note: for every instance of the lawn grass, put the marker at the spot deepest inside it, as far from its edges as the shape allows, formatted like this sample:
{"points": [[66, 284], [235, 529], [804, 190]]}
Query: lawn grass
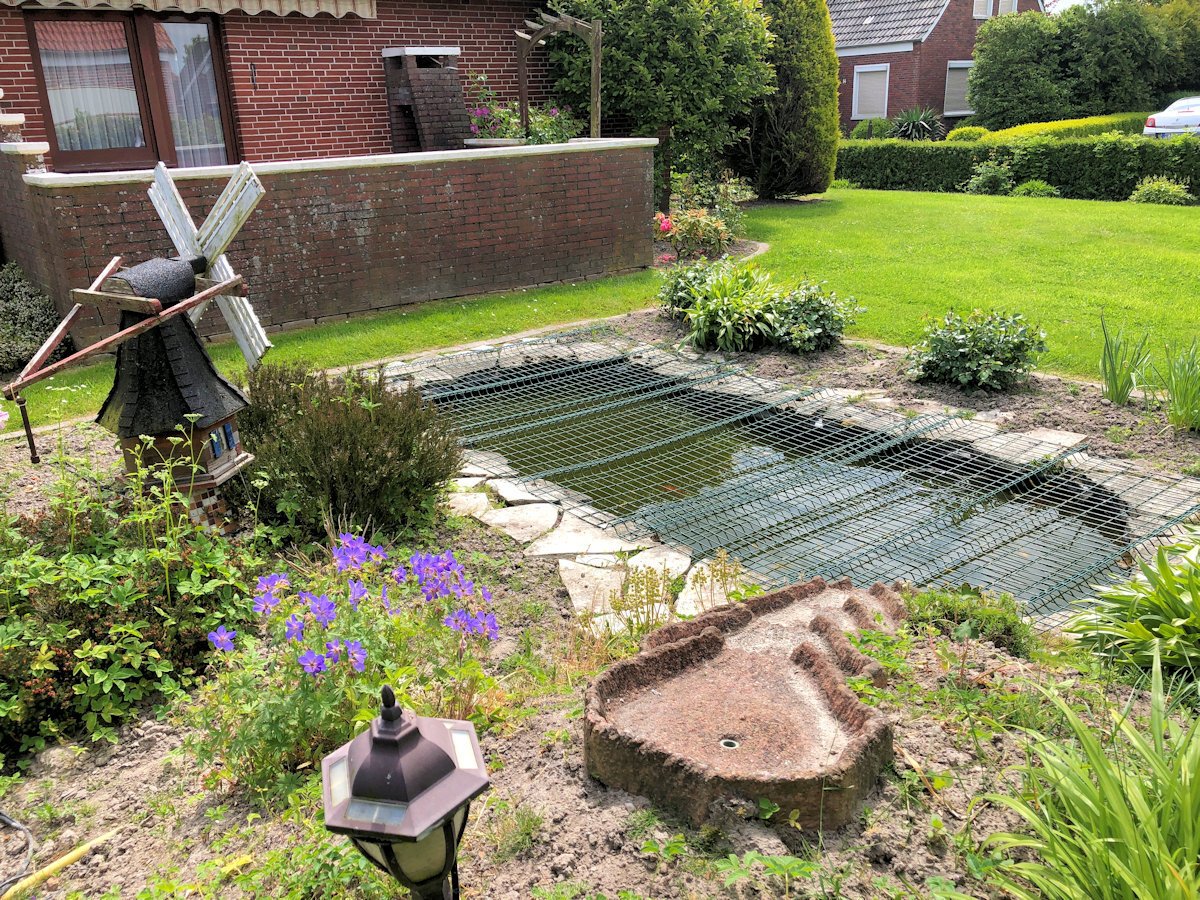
{"points": [[1061, 262], [902, 255], [442, 323]]}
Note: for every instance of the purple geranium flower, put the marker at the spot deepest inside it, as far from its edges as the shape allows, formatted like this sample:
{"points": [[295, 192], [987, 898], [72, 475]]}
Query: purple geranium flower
{"points": [[399, 575], [268, 584], [358, 592], [293, 628], [264, 603], [333, 651], [313, 663], [221, 639], [3, 419], [322, 608], [357, 655]]}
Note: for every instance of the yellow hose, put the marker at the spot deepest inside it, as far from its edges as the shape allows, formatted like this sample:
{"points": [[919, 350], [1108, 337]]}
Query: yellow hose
{"points": [[55, 867]]}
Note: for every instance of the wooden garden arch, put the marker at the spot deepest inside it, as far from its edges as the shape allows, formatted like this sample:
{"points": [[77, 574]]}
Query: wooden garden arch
{"points": [[592, 32]]}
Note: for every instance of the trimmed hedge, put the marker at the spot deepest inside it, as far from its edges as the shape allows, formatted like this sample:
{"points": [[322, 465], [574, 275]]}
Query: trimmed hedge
{"points": [[1106, 167], [1126, 123]]}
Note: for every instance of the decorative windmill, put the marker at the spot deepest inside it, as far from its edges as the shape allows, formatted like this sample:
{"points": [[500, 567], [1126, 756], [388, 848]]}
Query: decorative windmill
{"points": [[165, 379]]}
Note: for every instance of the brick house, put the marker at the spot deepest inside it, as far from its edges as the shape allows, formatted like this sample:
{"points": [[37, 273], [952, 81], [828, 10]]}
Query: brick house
{"points": [[898, 54], [120, 84]]}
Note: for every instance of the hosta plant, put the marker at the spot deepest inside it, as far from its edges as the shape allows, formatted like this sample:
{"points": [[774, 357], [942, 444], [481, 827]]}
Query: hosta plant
{"points": [[735, 311], [281, 699], [1155, 615]]}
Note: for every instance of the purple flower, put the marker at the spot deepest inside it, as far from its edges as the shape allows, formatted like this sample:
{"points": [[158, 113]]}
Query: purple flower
{"points": [[358, 592], [554, 111], [3, 419], [487, 625], [480, 623], [267, 584], [264, 603], [482, 112], [333, 651], [474, 130], [323, 609], [222, 639], [293, 628], [459, 620], [352, 552], [399, 575], [486, 595], [313, 663], [357, 655]]}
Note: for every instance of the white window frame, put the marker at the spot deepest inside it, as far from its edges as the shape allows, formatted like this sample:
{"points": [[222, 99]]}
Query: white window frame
{"points": [[986, 15], [887, 83], [1001, 11], [967, 64]]}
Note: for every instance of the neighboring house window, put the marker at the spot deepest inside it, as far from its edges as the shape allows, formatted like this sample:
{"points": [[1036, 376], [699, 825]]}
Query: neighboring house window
{"points": [[870, 92], [128, 90], [1006, 6], [956, 88], [983, 9]]}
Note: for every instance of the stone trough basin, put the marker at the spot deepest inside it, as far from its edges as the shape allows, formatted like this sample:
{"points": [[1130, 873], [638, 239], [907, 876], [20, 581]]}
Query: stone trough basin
{"points": [[749, 701]]}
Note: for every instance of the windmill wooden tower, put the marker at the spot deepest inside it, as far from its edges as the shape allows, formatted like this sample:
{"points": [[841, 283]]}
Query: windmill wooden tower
{"points": [[166, 384]]}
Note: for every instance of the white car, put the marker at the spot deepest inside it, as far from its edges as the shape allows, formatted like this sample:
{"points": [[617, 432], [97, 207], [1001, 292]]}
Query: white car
{"points": [[1181, 117]]}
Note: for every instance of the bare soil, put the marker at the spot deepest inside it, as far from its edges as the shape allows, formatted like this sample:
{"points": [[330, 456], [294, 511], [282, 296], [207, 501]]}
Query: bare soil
{"points": [[1047, 401], [64, 449]]}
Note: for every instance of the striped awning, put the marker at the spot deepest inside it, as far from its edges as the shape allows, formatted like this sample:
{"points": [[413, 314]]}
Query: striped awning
{"points": [[362, 8]]}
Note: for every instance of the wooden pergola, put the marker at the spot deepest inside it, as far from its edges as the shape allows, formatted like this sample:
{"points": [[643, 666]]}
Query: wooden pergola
{"points": [[550, 24]]}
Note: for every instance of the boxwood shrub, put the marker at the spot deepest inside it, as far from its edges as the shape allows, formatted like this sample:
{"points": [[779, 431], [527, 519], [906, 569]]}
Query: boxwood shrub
{"points": [[1106, 167]]}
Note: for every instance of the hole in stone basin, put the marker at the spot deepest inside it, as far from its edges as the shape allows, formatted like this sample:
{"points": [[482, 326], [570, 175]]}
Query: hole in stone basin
{"points": [[729, 744]]}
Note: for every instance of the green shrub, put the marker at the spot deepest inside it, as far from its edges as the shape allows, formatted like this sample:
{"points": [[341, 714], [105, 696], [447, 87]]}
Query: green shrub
{"points": [[697, 232], [811, 319], [998, 618], [1105, 167], [1162, 190], [918, 124], [842, 184], [283, 700], [1122, 364], [991, 351], [344, 450], [734, 310], [792, 146], [722, 196], [683, 283], [104, 606], [967, 133], [696, 67], [1110, 812], [1122, 123], [27, 317], [492, 117], [1035, 187], [990, 177], [869, 129], [1180, 380], [734, 307], [1155, 615], [1017, 75]]}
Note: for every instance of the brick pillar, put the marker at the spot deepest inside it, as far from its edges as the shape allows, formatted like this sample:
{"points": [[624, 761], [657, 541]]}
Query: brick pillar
{"points": [[426, 106]]}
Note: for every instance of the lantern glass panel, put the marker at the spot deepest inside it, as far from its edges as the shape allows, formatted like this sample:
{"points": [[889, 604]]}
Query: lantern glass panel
{"points": [[339, 781], [464, 750], [424, 859], [376, 812]]}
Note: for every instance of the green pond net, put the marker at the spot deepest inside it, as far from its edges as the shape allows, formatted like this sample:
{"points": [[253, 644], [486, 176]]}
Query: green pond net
{"points": [[797, 482]]}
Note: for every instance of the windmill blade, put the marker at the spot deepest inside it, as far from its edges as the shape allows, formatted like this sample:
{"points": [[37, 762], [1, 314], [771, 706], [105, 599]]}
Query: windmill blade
{"points": [[231, 210]]}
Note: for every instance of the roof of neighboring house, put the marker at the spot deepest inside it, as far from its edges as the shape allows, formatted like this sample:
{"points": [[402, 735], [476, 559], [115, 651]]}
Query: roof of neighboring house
{"points": [[863, 23]]}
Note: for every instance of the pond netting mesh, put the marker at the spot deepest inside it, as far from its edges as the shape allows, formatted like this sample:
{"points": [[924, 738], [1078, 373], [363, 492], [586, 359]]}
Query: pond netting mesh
{"points": [[797, 482]]}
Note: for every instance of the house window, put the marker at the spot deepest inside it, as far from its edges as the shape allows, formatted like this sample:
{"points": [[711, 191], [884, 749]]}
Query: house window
{"points": [[983, 9], [956, 88], [127, 90], [870, 92], [1006, 6]]}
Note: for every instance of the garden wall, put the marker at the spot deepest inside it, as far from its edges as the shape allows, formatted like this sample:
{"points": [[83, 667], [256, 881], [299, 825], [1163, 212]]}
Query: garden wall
{"points": [[344, 236]]}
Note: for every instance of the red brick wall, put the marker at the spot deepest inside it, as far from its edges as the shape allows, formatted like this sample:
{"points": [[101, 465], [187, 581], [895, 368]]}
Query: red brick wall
{"points": [[329, 243], [318, 87], [902, 81]]}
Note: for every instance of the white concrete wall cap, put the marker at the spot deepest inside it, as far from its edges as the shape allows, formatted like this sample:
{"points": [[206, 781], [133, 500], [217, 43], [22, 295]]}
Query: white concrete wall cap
{"points": [[376, 161], [12, 119], [24, 148]]}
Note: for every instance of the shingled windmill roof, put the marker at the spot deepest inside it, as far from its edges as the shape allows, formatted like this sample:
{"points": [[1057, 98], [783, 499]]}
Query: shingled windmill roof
{"points": [[864, 23]]}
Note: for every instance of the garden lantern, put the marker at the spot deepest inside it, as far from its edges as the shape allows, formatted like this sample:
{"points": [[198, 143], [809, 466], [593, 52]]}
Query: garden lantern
{"points": [[401, 792]]}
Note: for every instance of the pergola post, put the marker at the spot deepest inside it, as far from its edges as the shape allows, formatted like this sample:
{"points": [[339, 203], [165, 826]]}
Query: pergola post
{"points": [[536, 35]]}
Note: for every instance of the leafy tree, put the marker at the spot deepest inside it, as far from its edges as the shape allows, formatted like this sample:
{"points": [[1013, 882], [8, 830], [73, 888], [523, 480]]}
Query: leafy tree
{"points": [[694, 66], [1118, 55], [794, 132], [1183, 18], [1017, 76]]}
